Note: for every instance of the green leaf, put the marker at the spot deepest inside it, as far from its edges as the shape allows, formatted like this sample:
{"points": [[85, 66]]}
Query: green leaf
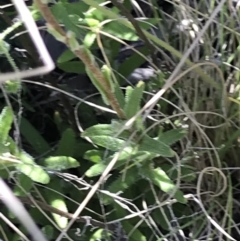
{"points": [[96, 169], [96, 14], [91, 22], [6, 120], [97, 130], [4, 149], [120, 185], [34, 138], [72, 67], [25, 184], [48, 231], [172, 136], [12, 86], [103, 135], [30, 169], [77, 8], [60, 12], [133, 101], [133, 62], [128, 93], [106, 130], [127, 154], [155, 146], [98, 85], [5, 164], [12, 147], [148, 23], [66, 144], [187, 172], [89, 39], [161, 179], [108, 142], [56, 200], [99, 235], [60, 163], [136, 235], [107, 73], [119, 95], [93, 156], [66, 56], [162, 217], [118, 30]]}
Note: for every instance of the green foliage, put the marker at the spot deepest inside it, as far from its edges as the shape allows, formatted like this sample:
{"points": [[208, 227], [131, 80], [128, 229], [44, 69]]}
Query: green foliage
{"points": [[136, 154]]}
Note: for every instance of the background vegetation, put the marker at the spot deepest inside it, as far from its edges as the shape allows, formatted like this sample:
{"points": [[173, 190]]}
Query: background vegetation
{"points": [[135, 160]]}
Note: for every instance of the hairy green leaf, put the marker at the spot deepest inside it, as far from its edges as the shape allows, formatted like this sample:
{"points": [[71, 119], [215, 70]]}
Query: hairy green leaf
{"points": [[103, 135], [30, 169], [106, 130], [155, 146], [108, 142], [161, 179], [6, 120], [61, 163], [119, 95], [133, 101], [172, 136], [96, 169]]}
